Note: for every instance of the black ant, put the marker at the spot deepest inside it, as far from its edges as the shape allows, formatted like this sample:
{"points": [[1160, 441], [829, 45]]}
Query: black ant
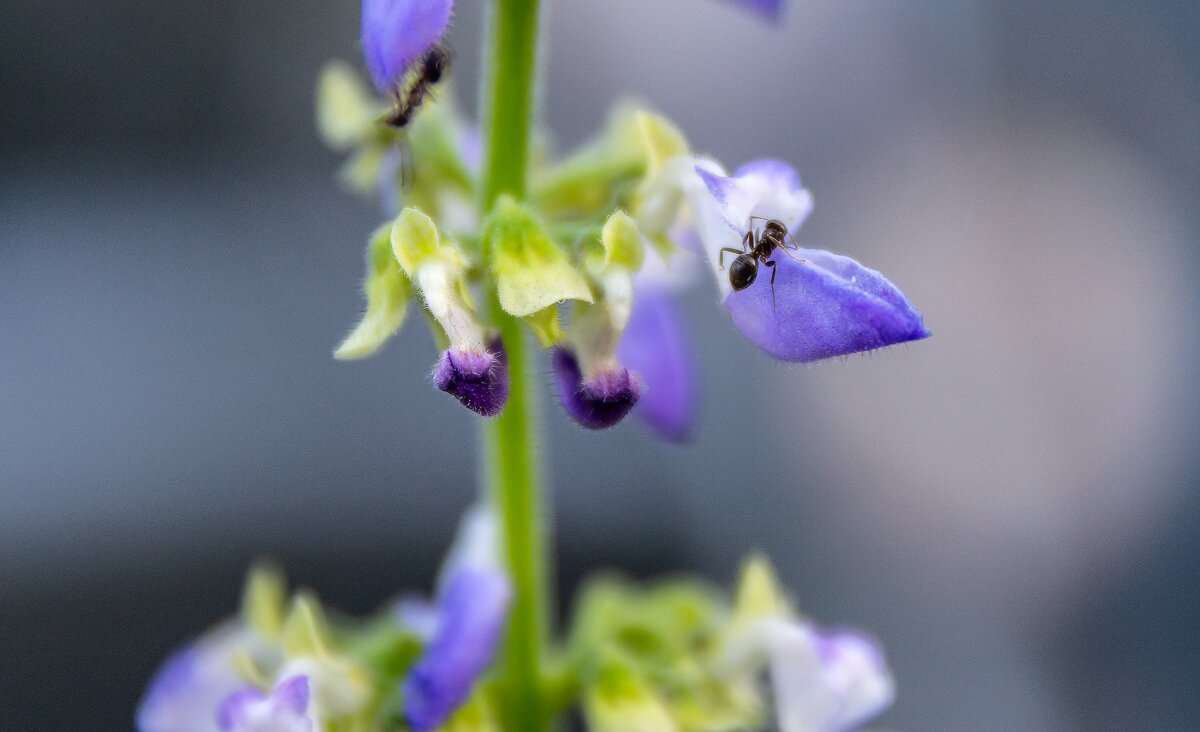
{"points": [[757, 246], [405, 100]]}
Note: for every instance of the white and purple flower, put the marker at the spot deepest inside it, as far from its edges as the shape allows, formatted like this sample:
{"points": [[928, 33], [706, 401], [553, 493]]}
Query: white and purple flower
{"points": [[821, 681], [461, 628], [285, 709], [186, 691]]}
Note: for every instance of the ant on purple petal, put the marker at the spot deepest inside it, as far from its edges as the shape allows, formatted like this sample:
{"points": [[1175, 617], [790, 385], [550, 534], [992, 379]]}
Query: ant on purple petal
{"points": [[757, 247]]}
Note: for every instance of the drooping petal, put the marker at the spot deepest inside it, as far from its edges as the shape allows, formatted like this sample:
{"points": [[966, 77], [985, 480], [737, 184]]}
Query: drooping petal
{"points": [[479, 380], [472, 606], [828, 305], [655, 346], [284, 710], [397, 32], [186, 691], [598, 401], [854, 669]]}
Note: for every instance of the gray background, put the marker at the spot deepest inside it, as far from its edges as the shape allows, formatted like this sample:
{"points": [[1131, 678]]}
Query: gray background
{"points": [[1009, 505]]}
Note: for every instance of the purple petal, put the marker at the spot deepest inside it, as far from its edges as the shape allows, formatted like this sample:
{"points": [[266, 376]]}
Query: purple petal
{"points": [[235, 709], [291, 694], [473, 605], [768, 8], [600, 401], [187, 690], [478, 380], [396, 32], [777, 172], [655, 346], [829, 305]]}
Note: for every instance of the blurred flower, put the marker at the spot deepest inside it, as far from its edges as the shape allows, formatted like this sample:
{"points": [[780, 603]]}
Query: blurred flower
{"points": [[655, 346], [395, 33], [184, 694], [283, 710], [463, 627], [821, 681], [816, 304]]}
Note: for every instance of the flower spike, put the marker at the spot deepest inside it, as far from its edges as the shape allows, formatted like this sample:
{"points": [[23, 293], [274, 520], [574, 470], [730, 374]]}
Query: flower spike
{"points": [[395, 33]]}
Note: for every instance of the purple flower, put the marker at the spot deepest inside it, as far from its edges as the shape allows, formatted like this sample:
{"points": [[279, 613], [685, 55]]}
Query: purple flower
{"points": [[395, 33], [820, 304], [284, 710], [597, 401], [478, 380], [824, 681], [654, 345], [463, 628], [185, 693]]}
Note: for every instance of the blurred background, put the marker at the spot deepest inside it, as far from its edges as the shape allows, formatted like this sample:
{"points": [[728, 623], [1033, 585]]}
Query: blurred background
{"points": [[1010, 505]]}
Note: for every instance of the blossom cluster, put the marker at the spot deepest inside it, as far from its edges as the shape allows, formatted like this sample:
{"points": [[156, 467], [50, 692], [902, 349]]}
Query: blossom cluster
{"points": [[595, 258], [678, 656]]}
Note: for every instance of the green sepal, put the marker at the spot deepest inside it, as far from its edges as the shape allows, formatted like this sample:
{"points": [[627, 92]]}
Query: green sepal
{"points": [[346, 109], [759, 593], [360, 172], [620, 699], [415, 239], [593, 178], [474, 715], [531, 271], [622, 242], [387, 290], [661, 140], [306, 631], [263, 599], [546, 326], [434, 143]]}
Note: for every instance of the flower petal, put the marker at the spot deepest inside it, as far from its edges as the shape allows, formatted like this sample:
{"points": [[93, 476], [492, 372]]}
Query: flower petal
{"points": [[827, 305], [655, 346], [853, 667], [396, 32], [472, 605], [599, 401], [285, 710], [187, 690], [478, 380]]}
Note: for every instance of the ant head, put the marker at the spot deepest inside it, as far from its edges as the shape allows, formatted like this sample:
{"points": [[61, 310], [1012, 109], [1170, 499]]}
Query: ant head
{"points": [[775, 226], [742, 272], [435, 64]]}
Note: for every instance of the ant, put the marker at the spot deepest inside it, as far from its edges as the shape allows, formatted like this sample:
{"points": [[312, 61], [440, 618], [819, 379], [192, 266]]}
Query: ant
{"points": [[757, 246], [405, 101]]}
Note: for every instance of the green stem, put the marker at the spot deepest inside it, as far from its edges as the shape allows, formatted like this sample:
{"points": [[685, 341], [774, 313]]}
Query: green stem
{"points": [[511, 449]]}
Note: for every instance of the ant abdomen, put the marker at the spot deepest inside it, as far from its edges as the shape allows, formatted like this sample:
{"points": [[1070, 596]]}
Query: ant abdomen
{"points": [[742, 271]]}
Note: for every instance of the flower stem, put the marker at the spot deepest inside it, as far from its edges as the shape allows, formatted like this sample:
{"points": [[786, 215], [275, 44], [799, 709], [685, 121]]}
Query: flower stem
{"points": [[511, 450]]}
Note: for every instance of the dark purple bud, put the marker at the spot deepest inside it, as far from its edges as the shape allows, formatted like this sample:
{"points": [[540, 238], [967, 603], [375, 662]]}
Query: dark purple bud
{"points": [[478, 380], [597, 402]]}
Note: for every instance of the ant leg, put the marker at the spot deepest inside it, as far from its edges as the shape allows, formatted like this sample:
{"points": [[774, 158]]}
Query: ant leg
{"points": [[739, 252], [721, 258], [771, 264]]}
